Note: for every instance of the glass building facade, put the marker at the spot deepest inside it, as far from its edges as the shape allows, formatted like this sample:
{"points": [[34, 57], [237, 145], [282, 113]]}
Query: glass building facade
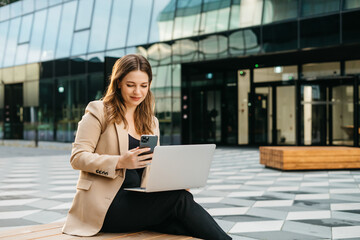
{"points": [[231, 72]]}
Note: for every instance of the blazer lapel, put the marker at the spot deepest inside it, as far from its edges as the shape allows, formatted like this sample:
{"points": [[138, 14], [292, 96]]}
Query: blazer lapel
{"points": [[122, 138]]}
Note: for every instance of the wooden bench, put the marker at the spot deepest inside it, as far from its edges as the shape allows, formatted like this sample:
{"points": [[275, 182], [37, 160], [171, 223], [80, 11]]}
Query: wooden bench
{"points": [[53, 231], [304, 158]]}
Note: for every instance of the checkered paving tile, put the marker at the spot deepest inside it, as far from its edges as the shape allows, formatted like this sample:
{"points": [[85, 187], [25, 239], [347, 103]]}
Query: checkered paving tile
{"points": [[248, 200]]}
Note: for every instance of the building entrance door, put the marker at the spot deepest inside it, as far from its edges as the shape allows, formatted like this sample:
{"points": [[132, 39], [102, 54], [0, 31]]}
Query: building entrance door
{"points": [[205, 116], [13, 122], [327, 113]]}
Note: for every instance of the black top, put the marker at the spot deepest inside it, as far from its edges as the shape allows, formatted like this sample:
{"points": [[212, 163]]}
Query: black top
{"points": [[133, 176]]}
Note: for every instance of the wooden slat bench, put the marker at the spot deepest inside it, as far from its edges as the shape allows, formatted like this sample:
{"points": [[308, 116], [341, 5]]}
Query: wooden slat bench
{"points": [[53, 231], [304, 158]]}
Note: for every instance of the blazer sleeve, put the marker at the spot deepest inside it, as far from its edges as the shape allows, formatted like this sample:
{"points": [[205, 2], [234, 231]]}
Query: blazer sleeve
{"points": [[83, 156]]}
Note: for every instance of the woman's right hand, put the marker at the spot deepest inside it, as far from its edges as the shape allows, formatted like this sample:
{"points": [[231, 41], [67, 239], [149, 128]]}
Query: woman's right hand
{"points": [[132, 160]]}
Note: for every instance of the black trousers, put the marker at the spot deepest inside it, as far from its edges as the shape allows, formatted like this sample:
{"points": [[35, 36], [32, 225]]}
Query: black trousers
{"points": [[172, 212]]}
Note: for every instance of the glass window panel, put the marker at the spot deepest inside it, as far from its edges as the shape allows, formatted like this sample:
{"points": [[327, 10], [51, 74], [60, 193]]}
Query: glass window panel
{"points": [[262, 124], [21, 54], [159, 53], [276, 73], [285, 115], [46, 109], [78, 65], [237, 43], [26, 23], [352, 67], [4, 26], [99, 26], [4, 12], [280, 37], [185, 50], [54, 2], [139, 22], [162, 20], [277, 10], [15, 9], [83, 18], [215, 16], [245, 13], [311, 7], [313, 71], [318, 32], [96, 63], [350, 4], [213, 46], [37, 36], [187, 19], [350, 27], [252, 40], [41, 4], [51, 32], [28, 6], [116, 53], [66, 30], [80, 42], [11, 42], [119, 24]]}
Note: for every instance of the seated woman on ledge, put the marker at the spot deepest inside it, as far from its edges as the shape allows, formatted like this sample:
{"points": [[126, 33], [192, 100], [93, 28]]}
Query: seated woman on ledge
{"points": [[106, 151]]}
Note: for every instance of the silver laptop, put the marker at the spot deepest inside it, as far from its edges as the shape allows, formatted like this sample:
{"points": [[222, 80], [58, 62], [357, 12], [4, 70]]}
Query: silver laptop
{"points": [[178, 167]]}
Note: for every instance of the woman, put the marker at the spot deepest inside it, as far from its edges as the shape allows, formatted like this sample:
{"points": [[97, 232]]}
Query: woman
{"points": [[107, 154]]}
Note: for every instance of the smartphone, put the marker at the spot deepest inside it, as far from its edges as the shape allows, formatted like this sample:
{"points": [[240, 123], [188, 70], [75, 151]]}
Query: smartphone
{"points": [[148, 141]]}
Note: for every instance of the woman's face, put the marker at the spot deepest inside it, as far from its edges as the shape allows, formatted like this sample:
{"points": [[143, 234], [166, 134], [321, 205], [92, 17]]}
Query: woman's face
{"points": [[134, 88]]}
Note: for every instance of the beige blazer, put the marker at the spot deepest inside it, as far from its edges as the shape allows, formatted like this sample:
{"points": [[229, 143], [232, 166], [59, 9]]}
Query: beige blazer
{"points": [[95, 153]]}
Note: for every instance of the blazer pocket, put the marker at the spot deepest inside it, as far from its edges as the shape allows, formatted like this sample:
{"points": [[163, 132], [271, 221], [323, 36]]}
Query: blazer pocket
{"points": [[84, 184]]}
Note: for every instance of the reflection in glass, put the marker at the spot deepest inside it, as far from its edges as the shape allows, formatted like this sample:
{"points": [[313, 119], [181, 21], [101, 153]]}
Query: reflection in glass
{"points": [[277, 10], [319, 32], [66, 30], [162, 20], [245, 13], [237, 43], [159, 53], [80, 43], [350, 27], [252, 40], [310, 7], [185, 50], [176, 106], [83, 17], [21, 54], [214, 16], [26, 22], [37, 36], [53, 2], [51, 32], [285, 115], [350, 4], [213, 47], [40, 4], [3, 35], [343, 115], [15, 9], [119, 24], [28, 6], [99, 26], [139, 26], [11, 42], [274, 38], [187, 18], [5, 12]]}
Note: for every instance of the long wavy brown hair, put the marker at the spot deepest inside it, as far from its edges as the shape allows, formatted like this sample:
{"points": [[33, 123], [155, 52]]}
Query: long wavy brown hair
{"points": [[115, 107]]}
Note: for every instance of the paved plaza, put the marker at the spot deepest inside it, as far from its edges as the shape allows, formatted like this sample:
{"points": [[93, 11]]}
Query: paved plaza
{"points": [[248, 200]]}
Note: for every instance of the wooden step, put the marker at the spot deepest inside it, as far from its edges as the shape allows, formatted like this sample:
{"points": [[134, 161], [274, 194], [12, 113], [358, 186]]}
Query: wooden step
{"points": [[53, 231]]}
